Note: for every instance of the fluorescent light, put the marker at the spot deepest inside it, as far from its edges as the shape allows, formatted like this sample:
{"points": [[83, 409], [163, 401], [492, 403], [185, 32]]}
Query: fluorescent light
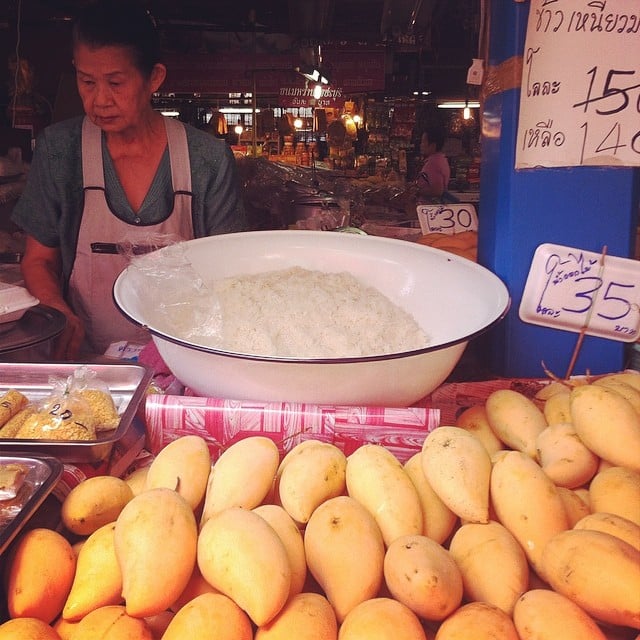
{"points": [[237, 110], [459, 104], [170, 113]]}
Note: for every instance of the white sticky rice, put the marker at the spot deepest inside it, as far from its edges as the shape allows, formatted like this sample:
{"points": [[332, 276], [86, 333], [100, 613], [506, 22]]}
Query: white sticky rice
{"points": [[300, 313]]}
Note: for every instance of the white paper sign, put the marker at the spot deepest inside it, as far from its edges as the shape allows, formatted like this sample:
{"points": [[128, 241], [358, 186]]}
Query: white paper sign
{"points": [[571, 289], [447, 218], [580, 92]]}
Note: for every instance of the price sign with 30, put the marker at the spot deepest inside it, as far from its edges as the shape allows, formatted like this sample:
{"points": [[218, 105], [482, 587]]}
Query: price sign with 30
{"points": [[578, 290], [447, 218]]}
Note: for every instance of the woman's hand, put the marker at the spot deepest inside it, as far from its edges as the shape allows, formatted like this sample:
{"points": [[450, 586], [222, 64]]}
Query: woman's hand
{"points": [[41, 270], [67, 344]]}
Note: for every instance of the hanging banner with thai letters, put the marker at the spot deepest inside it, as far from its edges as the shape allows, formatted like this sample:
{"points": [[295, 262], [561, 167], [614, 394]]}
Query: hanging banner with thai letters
{"points": [[580, 91]]}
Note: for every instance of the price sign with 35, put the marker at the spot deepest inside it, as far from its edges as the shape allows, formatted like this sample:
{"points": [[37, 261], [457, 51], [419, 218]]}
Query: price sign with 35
{"points": [[578, 290]]}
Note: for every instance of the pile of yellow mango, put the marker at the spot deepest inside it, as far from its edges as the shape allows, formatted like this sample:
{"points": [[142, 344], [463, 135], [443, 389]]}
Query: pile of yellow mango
{"points": [[521, 521]]}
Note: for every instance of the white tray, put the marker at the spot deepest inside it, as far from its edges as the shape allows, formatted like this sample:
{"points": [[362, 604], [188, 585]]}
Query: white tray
{"points": [[14, 301]]}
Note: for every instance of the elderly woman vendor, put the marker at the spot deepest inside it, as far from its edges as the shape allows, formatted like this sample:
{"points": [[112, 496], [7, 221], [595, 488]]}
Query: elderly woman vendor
{"points": [[121, 173]]}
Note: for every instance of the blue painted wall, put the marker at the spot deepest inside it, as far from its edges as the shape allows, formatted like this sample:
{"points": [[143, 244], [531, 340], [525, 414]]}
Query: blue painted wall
{"points": [[583, 207]]}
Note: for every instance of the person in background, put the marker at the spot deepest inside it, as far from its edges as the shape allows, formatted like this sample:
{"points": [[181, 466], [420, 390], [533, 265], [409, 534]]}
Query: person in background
{"points": [[121, 175], [433, 178]]}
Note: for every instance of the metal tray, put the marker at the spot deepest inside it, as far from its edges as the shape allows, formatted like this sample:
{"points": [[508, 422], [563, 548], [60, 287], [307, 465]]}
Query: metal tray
{"points": [[127, 384], [43, 472]]}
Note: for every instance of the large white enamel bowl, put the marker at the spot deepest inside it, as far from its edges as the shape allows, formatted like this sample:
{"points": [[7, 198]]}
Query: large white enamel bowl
{"points": [[453, 299]]}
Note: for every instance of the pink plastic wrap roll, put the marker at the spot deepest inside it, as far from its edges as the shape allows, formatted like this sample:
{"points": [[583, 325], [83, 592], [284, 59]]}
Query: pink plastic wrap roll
{"points": [[223, 422]]}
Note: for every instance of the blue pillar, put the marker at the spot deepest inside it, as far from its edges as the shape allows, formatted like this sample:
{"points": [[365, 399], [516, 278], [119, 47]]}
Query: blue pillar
{"points": [[583, 207]]}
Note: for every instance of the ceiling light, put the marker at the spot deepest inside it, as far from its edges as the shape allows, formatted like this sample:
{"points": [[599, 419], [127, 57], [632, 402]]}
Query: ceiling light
{"points": [[459, 104]]}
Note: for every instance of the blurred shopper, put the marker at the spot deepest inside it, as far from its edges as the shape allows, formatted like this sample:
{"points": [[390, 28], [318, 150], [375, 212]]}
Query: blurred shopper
{"points": [[433, 178]]}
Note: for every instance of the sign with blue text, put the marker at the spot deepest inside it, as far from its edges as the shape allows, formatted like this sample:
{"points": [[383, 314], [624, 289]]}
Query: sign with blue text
{"points": [[582, 291], [580, 89]]}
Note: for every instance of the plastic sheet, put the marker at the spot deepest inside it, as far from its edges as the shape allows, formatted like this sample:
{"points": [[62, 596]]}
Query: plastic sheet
{"points": [[222, 422]]}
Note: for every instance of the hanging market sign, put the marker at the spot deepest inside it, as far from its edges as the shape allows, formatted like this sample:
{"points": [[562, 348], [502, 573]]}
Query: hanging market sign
{"points": [[580, 89], [291, 97], [226, 72]]}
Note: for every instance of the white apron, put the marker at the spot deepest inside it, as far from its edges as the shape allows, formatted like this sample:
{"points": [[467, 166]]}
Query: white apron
{"points": [[94, 273]]}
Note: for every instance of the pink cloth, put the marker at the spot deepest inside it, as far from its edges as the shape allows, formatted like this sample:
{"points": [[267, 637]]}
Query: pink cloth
{"points": [[222, 422], [436, 172]]}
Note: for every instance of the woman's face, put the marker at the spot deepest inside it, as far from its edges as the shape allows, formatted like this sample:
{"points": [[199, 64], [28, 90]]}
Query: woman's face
{"points": [[115, 94]]}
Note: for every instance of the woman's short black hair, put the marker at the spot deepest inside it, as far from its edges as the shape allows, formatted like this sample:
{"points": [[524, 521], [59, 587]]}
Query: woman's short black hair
{"points": [[436, 134], [124, 23]]}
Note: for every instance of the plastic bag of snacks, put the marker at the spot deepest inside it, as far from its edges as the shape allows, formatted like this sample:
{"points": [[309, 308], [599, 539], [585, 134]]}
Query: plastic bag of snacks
{"points": [[77, 408]]}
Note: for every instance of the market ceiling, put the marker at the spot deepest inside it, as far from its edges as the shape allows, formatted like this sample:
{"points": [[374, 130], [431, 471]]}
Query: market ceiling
{"points": [[336, 19], [437, 35]]}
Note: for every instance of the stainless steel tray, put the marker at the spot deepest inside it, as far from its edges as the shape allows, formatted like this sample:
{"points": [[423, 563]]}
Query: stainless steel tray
{"points": [[127, 384], [43, 472]]}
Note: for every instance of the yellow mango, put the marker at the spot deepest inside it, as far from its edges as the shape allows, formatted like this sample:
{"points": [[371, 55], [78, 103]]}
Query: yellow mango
{"points": [[458, 468], [40, 573], [527, 503], [242, 555], [575, 507], [616, 490], [312, 475], [474, 419], [111, 622], [210, 615], [98, 578], [182, 465], [378, 481], [345, 553], [306, 616], [608, 424], [478, 621], [557, 409], [493, 565], [242, 476], [423, 575], [93, 503], [622, 386], [27, 629], [155, 541], [542, 614], [515, 419], [598, 571], [137, 479], [613, 524], [438, 521], [291, 538], [381, 619], [564, 457]]}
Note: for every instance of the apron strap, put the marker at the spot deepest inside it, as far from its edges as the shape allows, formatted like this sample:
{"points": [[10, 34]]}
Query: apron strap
{"points": [[179, 156], [92, 171]]}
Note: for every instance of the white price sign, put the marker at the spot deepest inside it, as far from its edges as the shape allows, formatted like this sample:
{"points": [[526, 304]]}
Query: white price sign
{"points": [[580, 89], [578, 290], [447, 218]]}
